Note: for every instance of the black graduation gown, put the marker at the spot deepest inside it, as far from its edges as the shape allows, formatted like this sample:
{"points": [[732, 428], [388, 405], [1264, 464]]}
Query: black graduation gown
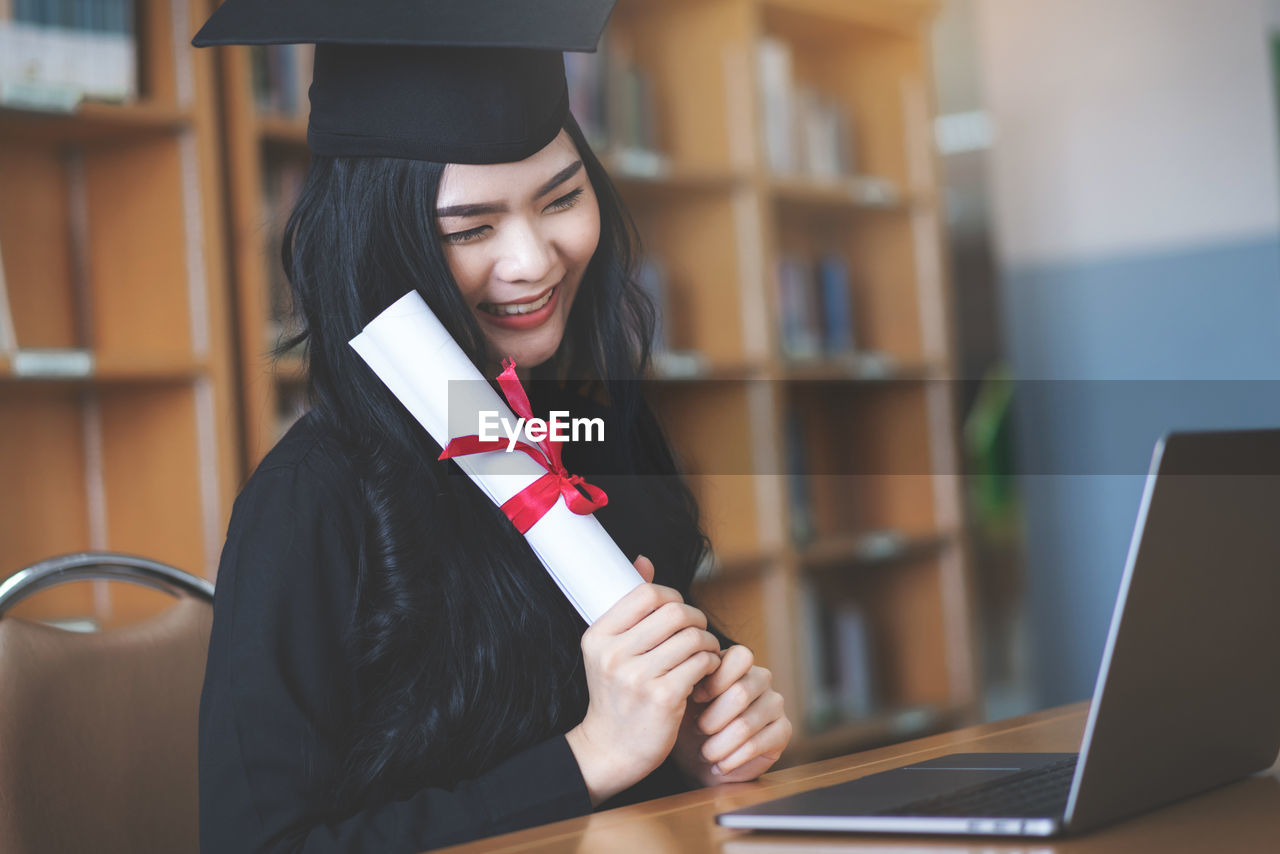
{"points": [[278, 686]]}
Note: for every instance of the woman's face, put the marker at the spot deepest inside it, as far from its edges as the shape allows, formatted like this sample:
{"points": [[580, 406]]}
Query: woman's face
{"points": [[518, 237]]}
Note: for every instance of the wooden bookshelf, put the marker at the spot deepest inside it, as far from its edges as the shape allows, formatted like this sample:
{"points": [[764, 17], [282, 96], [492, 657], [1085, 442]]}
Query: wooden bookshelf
{"points": [[878, 421], [260, 142], [879, 427], [95, 123], [117, 411]]}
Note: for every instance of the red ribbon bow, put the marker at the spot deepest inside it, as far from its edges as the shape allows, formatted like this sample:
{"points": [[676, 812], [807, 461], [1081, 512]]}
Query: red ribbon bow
{"points": [[530, 504]]}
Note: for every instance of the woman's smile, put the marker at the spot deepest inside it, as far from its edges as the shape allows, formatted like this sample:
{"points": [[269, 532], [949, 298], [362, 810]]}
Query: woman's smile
{"points": [[528, 314]]}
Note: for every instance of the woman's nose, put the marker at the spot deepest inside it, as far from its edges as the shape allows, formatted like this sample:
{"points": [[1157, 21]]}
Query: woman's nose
{"points": [[527, 255]]}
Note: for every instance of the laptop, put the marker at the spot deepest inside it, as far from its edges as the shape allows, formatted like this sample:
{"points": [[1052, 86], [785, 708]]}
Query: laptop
{"points": [[1187, 696]]}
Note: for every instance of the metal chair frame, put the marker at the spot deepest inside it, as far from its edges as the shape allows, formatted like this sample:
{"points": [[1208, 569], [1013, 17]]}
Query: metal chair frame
{"points": [[101, 566]]}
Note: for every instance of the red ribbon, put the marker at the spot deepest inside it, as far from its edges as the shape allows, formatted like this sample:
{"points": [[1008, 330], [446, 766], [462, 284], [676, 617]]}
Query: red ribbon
{"points": [[530, 504]]}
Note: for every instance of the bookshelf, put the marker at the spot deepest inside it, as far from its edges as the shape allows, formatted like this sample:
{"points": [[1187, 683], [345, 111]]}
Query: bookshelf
{"points": [[117, 404], [874, 528], [266, 159]]}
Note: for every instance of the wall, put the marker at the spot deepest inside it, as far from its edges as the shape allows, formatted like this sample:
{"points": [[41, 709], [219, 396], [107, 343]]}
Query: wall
{"points": [[1137, 217]]}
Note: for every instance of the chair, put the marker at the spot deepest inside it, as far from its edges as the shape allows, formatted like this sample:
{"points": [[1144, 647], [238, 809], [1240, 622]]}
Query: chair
{"points": [[98, 730]]}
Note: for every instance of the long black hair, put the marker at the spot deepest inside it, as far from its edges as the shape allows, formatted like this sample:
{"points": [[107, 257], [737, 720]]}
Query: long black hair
{"points": [[465, 652]]}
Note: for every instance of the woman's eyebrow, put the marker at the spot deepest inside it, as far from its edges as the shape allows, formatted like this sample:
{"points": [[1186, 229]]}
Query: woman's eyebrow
{"points": [[483, 209], [488, 208], [560, 177]]}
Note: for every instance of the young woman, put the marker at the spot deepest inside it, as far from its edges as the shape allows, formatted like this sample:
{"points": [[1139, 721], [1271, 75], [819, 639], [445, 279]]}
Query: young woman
{"points": [[391, 668], [390, 665]]}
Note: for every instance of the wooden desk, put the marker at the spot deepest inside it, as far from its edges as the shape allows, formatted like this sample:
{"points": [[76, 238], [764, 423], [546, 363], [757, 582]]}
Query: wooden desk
{"points": [[1242, 817]]}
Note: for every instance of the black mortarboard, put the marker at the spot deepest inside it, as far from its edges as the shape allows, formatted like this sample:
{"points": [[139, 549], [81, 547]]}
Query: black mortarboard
{"points": [[454, 81]]}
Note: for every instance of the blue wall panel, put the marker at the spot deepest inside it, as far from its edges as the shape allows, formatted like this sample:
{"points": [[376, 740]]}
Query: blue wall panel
{"points": [[1138, 346]]}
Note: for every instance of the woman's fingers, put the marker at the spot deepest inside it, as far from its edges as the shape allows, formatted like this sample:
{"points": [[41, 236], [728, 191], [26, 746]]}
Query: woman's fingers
{"points": [[679, 680], [734, 700], [672, 652], [664, 623], [747, 771], [736, 662], [767, 744], [635, 607], [762, 712]]}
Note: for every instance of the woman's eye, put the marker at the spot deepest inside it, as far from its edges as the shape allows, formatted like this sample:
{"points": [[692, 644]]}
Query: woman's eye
{"points": [[471, 235], [566, 201], [465, 236]]}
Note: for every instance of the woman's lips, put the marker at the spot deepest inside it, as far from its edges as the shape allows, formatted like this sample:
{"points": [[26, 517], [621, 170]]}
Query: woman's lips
{"points": [[529, 319], [538, 297]]}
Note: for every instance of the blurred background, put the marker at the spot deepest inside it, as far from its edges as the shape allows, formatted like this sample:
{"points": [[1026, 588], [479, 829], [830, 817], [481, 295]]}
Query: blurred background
{"points": [[934, 275]]}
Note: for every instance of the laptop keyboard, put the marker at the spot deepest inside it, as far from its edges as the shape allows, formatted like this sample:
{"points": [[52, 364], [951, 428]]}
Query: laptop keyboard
{"points": [[1038, 793]]}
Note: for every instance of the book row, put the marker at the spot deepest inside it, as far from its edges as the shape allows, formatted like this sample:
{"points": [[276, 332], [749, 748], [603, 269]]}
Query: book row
{"points": [[815, 307], [806, 132], [281, 77], [613, 99], [54, 53], [281, 183], [840, 650]]}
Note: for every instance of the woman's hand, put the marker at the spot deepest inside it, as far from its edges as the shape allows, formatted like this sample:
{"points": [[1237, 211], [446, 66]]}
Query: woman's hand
{"points": [[643, 658], [735, 728]]}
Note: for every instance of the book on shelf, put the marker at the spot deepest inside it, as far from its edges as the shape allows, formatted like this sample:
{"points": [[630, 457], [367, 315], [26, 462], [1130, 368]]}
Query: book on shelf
{"points": [[585, 74], [840, 658], [773, 65], [613, 99], [797, 305], [668, 363], [855, 694], [805, 132], [820, 707], [837, 305], [54, 53], [281, 77], [651, 276], [281, 183], [815, 308], [823, 138]]}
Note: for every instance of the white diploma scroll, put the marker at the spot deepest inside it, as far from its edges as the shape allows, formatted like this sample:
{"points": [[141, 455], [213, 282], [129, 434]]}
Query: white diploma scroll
{"points": [[411, 351]]}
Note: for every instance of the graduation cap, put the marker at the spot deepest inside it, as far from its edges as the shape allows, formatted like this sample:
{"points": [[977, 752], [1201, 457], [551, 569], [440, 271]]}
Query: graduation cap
{"points": [[454, 81]]}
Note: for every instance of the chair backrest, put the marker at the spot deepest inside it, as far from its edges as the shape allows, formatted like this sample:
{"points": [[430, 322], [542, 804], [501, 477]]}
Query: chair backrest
{"points": [[98, 731]]}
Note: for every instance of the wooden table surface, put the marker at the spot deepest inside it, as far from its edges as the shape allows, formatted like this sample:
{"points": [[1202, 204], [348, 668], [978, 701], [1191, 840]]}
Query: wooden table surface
{"points": [[1242, 817]]}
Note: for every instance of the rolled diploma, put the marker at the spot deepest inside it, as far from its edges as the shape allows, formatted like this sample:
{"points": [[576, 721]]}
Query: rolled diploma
{"points": [[416, 357]]}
